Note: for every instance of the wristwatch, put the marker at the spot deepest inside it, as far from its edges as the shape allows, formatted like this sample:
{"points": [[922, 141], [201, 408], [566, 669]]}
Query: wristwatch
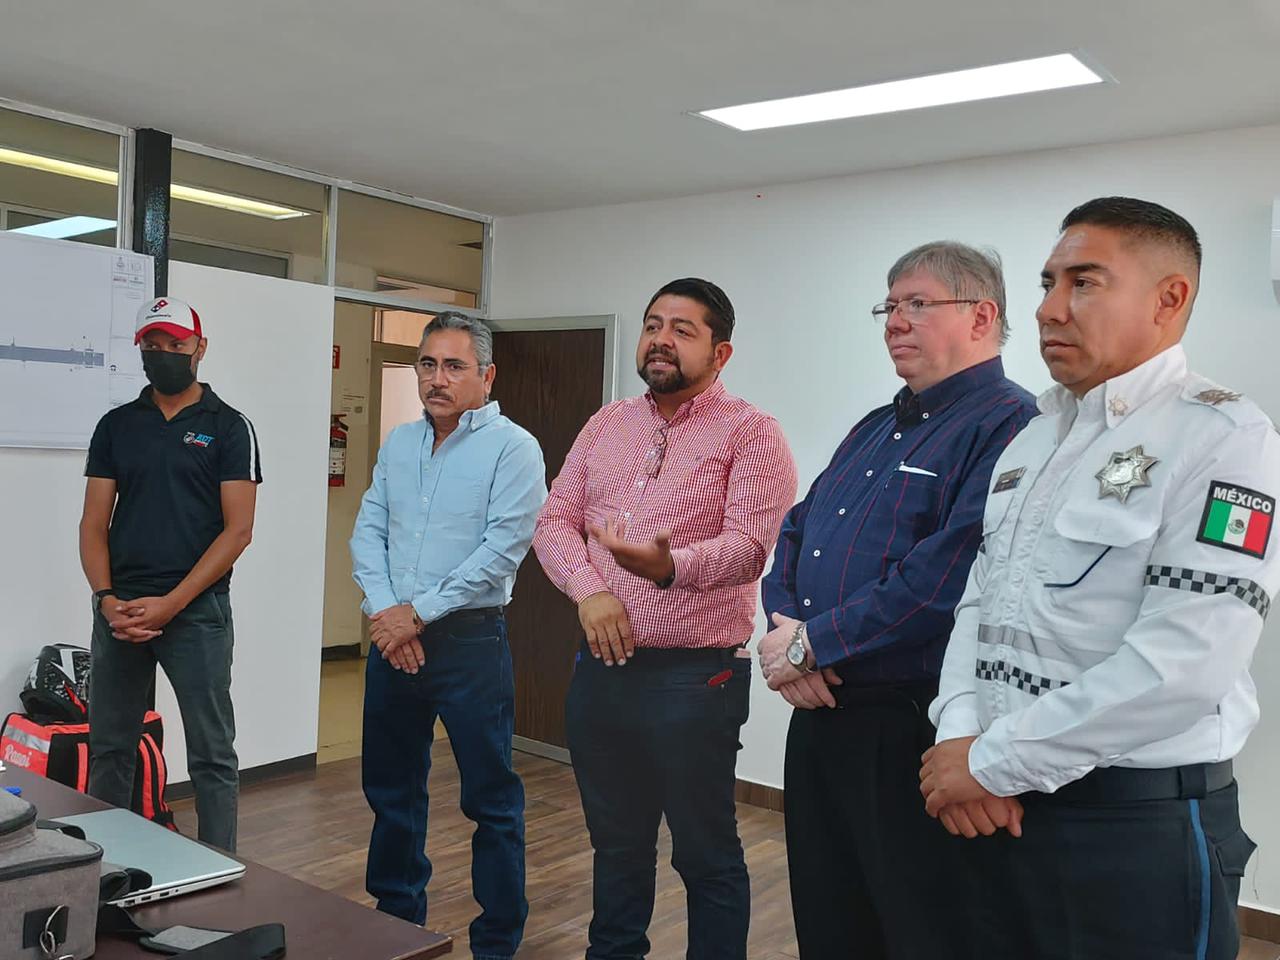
{"points": [[797, 653], [99, 596]]}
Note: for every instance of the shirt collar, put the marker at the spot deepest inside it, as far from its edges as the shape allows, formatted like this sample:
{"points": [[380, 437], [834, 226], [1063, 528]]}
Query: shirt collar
{"points": [[208, 400], [911, 407], [473, 419], [697, 404], [1120, 396]]}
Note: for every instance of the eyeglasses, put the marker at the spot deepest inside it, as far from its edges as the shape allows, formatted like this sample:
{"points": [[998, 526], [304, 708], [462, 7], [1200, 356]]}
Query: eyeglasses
{"points": [[453, 369], [911, 309], [654, 458]]}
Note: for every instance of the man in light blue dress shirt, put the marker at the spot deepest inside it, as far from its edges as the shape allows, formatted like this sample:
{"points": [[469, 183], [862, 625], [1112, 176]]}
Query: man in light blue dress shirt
{"points": [[440, 534]]}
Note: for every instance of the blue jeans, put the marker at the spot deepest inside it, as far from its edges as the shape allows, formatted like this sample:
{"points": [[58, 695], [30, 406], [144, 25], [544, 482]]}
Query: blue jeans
{"points": [[195, 653], [467, 682], [655, 738]]}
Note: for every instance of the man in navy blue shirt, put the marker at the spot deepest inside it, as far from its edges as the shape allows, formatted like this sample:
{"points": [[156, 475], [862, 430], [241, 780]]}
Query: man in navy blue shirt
{"points": [[865, 579]]}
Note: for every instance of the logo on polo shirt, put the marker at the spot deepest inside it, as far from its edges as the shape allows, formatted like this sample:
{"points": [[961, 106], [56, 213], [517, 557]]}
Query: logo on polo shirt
{"points": [[199, 439]]}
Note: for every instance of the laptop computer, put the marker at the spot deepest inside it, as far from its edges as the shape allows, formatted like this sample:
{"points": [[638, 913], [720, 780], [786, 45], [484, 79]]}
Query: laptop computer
{"points": [[177, 864]]}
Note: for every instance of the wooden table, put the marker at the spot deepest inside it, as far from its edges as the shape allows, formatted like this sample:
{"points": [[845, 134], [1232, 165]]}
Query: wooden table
{"points": [[318, 925]]}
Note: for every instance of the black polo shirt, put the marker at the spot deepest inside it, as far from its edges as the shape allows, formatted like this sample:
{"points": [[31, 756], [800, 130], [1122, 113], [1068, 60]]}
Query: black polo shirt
{"points": [[169, 477]]}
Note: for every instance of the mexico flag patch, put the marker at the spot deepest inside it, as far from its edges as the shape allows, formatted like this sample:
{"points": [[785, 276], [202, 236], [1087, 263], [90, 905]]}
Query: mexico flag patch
{"points": [[1237, 518]]}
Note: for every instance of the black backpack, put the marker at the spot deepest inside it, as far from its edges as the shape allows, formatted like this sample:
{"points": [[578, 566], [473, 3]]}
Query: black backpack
{"points": [[57, 687]]}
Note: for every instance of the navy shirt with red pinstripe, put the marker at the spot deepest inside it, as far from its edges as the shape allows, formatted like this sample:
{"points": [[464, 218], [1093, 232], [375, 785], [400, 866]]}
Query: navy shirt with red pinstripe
{"points": [[875, 558]]}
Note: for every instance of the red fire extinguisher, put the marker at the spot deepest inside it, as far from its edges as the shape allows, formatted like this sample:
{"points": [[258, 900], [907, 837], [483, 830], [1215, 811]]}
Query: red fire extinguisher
{"points": [[337, 451]]}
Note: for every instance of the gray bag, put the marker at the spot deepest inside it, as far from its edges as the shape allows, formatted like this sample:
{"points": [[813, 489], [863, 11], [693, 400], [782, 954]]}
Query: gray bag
{"points": [[48, 888]]}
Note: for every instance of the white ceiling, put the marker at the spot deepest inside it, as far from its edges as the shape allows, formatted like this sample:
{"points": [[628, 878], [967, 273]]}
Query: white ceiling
{"points": [[509, 106]]}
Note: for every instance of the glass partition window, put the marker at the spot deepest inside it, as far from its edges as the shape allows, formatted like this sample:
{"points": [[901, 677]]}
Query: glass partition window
{"points": [[230, 215], [407, 251], [57, 179]]}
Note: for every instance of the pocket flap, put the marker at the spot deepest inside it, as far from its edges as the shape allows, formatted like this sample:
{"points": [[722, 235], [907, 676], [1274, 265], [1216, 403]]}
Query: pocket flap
{"points": [[1233, 853], [1108, 522]]}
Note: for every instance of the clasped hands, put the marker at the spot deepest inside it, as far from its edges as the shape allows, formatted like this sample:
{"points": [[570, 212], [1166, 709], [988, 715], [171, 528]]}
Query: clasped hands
{"points": [[951, 793], [396, 632], [953, 796], [140, 620]]}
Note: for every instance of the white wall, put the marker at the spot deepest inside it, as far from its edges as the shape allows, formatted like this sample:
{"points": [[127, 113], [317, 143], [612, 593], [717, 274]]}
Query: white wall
{"points": [[803, 263], [269, 356]]}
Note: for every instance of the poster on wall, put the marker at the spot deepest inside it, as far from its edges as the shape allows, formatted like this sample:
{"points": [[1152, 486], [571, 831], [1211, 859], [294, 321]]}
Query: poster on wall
{"points": [[67, 316]]}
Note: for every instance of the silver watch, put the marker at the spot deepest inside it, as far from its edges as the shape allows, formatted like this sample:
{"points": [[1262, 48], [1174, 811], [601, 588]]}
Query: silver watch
{"points": [[797, 655]]}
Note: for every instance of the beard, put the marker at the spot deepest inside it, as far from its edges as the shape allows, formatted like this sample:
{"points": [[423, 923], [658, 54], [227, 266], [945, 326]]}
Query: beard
{"points": [[663, 381]]}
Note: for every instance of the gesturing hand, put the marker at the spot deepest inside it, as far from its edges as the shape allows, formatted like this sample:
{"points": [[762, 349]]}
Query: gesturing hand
{"points": [[652, 560]]}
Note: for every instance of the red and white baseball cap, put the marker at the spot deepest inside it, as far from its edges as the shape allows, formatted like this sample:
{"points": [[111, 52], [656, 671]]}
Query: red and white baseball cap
{"points": [[172, 316]]}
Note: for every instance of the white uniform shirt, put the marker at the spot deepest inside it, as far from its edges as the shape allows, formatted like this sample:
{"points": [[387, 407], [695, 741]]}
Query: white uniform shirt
{"points": [[1098, 631]]}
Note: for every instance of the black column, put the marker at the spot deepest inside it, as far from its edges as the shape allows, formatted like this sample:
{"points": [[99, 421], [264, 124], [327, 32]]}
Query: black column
{"points": [[151, 176]]}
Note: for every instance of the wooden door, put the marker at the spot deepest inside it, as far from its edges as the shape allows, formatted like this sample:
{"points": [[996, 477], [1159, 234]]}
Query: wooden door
{"points": [[549, 382]]}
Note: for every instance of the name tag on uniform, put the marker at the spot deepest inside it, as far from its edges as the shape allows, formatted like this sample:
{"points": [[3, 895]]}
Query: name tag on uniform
{"points": [[1008, 480]]}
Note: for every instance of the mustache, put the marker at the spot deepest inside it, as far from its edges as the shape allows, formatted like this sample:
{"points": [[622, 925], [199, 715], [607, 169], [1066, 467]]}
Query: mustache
{"points": [[438, 395], [661, 355]]}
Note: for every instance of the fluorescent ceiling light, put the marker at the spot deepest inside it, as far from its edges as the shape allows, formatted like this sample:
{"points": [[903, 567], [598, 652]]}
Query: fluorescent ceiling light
{"points": [[81, 171], [66, 228], [979, 83], [209, 198], [229, 201]]}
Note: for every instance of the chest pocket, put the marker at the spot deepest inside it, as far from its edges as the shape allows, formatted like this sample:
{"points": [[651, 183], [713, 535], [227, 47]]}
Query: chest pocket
{"points": [[999, 513], [469, 493], [909, 507], [1095, 562]]}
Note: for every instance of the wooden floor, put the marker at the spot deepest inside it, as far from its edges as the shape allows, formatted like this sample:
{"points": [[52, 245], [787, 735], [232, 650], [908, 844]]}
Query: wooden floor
{"points": [[316, 828]]}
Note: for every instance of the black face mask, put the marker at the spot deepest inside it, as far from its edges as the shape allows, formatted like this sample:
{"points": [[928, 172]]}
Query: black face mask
{"points": [[169, 373]]}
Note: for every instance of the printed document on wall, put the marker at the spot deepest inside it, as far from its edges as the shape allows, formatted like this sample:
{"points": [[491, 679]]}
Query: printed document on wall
{"points": [[67, 315]]}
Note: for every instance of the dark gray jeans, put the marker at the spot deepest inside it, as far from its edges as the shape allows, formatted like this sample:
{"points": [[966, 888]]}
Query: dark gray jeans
{"points": [[195, 653]]}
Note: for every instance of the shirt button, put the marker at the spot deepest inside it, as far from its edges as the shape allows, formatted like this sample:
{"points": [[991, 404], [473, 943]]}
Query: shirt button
{"points": [[417, 536], [897, 436], [841, 511], [817, 553], [870, 472], [626, 516], [425, 499], [639, 483], [924, 416], [808, 602]]}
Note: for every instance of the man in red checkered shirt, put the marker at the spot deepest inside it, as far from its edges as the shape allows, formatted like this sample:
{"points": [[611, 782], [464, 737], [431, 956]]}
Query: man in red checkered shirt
{"points": [[658, 527]]}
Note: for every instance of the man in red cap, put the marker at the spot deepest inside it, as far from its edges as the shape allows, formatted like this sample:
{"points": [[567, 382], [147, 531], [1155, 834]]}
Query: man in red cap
{"points": [[169, 503]]}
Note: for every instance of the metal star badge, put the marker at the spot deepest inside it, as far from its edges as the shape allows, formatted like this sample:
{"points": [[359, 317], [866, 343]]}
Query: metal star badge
{"points": [[1123, 472], [1215, 397], [1118, 406]]}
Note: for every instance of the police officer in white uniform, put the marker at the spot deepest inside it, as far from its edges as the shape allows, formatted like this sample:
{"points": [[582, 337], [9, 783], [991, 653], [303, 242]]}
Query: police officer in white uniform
{"points": [[1096, 686]]}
